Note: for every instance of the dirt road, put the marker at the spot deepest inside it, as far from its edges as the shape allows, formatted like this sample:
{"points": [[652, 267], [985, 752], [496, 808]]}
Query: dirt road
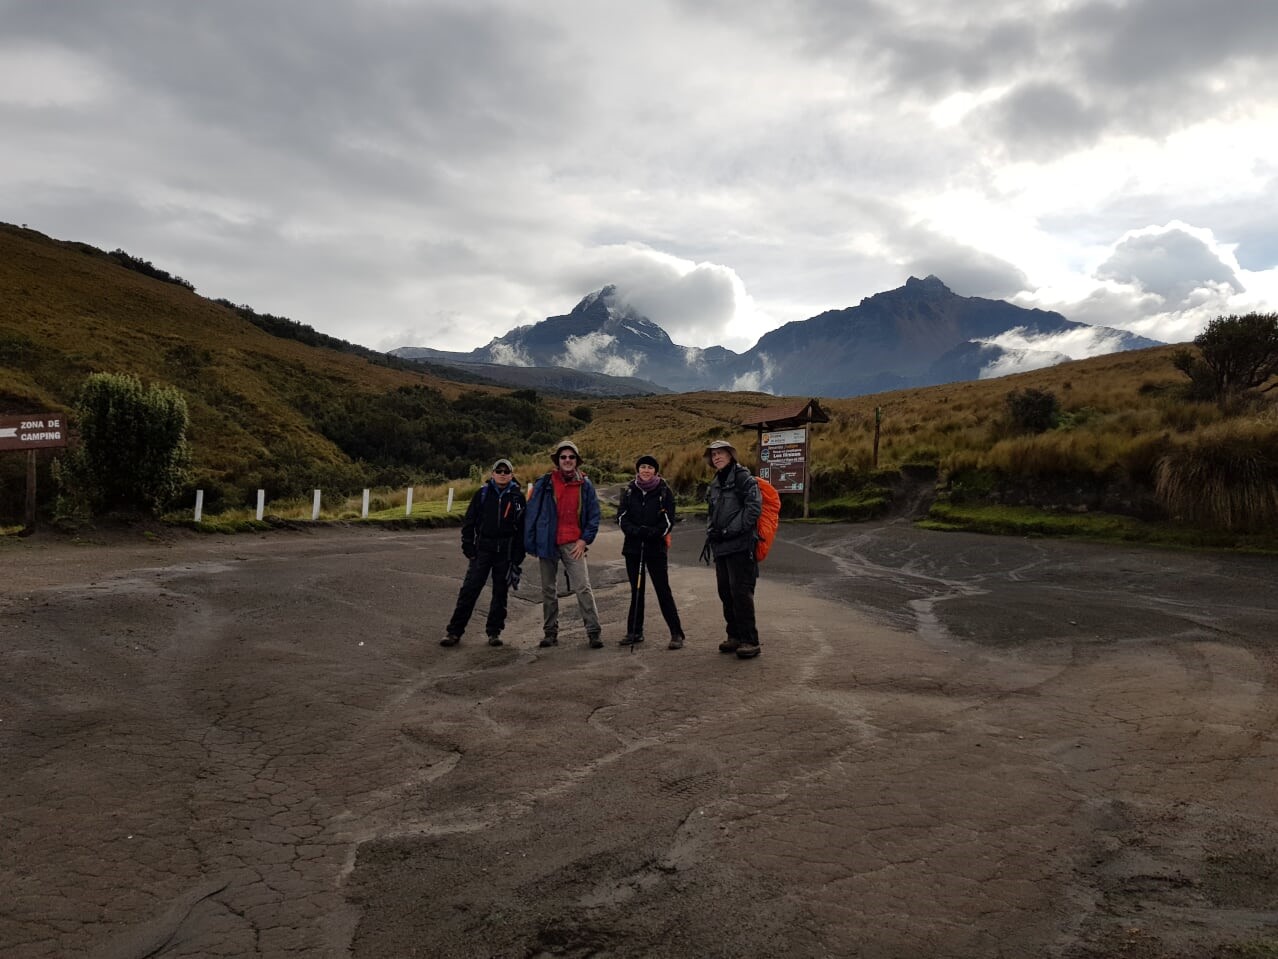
{"points": [[951, 746]]}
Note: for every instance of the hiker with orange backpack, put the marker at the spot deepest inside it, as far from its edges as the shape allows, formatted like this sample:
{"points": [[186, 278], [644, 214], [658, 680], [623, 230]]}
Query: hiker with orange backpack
{"points": [[735, 507], [646, 514]]}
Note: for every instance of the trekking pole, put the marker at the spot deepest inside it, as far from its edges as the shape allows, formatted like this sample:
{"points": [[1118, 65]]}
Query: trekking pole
{"points": [[638, 604]]}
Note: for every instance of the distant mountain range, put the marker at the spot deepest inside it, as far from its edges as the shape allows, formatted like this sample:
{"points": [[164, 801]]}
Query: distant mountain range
{"points": [[921, 334]]}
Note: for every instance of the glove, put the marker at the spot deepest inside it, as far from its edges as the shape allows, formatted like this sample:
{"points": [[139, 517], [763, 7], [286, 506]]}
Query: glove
{"points": [[469, 552], [651, 532], [717, 535], [512, 576]]}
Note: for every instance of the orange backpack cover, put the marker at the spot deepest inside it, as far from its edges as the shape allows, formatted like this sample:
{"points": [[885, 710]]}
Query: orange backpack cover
{"points": [[766, 528]]}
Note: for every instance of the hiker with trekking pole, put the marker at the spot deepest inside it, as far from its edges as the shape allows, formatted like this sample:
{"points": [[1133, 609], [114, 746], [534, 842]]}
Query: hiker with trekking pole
{"points": [[562, 521], [646, 514], [735, 505]]}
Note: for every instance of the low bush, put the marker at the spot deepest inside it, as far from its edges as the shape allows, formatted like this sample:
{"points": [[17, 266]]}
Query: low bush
{"points": [[1225, 476]]}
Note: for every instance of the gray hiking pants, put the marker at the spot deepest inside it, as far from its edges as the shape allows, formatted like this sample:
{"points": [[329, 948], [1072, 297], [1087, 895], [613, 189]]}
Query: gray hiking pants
{"points": [[578, 582]]}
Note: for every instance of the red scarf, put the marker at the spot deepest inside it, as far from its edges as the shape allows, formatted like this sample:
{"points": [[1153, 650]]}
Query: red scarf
{"points": [[567, 506]]}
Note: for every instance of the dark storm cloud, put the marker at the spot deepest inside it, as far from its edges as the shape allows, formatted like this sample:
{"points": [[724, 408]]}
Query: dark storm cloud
{"points": [[1150, 67], [1148, 43], [376, 89], [1070, 73], [1045, 119], [965, 270]]}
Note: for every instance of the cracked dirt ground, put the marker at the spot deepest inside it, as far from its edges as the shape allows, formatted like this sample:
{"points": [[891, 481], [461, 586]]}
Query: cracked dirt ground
{"points": [[951, 746]]}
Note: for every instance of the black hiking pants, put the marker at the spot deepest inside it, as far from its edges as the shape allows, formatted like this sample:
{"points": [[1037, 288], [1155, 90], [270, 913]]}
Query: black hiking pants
{"points": [[735, 575], [487, 563], [656, 570]]}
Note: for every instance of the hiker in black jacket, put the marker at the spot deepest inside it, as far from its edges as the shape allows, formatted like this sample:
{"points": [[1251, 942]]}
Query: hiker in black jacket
{"points": [[646, 513], [735, 506], [492, 537]]}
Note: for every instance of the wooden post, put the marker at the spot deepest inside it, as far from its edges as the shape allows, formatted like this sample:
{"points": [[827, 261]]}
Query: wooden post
{"points": [[315, 506], [449, 507], [31, 494], [261, 503], [199, 505], [408, 507], [364, 511], [878, 418], [807, 468]]}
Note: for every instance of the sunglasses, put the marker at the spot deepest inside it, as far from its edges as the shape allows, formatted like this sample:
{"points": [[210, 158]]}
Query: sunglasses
{"points": [[501, 469], [567, 456]]}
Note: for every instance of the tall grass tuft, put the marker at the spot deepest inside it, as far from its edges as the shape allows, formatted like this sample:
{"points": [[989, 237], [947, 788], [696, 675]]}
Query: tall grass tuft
{"points": [[1225, 475]]}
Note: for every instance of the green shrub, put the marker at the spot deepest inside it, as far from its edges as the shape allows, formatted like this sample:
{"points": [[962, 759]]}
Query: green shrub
{"points": [[132, 454], [1235, 354], [972, 485], [1033, 411]]}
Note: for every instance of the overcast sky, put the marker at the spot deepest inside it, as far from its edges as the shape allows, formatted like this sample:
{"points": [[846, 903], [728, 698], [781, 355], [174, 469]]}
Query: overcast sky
{"points": [[435, 173]]}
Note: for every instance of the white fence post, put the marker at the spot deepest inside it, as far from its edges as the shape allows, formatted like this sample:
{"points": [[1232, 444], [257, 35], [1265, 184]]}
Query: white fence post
{"points": [[364, 513], [199, 504], [449, 508], [261, 503], [408, 509], [315, 506]]}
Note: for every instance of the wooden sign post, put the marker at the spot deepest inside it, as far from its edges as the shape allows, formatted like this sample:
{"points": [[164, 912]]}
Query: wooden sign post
{"points": [[30, 432], [785, 451]]}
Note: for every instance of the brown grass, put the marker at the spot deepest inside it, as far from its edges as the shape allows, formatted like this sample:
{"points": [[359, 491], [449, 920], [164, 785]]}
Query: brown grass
{"points": [[1225, 475]]}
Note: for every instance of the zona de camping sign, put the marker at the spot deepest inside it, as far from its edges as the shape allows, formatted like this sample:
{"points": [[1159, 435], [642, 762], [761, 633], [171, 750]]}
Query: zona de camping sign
{"points": [[31, 431]]}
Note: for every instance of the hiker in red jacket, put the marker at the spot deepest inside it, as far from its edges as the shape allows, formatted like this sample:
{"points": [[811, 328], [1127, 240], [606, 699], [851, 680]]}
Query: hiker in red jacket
{"points": [[735, 505], [562, 521]]}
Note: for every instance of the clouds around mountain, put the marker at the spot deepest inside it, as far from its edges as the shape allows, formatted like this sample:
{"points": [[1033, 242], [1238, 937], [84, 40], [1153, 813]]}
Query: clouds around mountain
{"points": [[440, 173]]}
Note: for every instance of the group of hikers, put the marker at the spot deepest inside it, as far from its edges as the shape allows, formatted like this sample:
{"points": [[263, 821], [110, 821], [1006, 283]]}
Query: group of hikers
{"points": [[560, 519]]}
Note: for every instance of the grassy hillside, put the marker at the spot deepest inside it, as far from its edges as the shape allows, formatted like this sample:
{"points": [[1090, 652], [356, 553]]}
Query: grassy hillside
{"points": [[1130, 393], [1128, 441], [265, 409]]}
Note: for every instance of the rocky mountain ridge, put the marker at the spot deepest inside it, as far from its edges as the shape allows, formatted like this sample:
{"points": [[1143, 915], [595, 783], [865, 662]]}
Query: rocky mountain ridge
{"points": [[920, 334]]}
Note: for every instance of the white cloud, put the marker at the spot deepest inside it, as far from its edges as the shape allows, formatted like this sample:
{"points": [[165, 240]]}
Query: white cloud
{"points": [[508, 355], [758, 381], [1021, 361], [595, 352], [1074, 344]]}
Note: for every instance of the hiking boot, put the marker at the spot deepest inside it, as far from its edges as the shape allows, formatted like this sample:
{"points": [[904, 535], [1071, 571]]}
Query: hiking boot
{"points": [[596, 642], [631, 640], [549, 641], [676, 642], [747, 650], [450, 640], [729, 646], [494, 639]]}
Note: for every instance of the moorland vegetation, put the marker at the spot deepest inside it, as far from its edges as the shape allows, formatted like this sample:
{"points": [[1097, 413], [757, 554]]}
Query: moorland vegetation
{"points": [[1185, 437]]}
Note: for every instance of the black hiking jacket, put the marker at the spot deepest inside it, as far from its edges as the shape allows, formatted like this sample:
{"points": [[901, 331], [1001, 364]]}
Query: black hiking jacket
{"points": [[645, 518], [494, 521], [735, 507]]}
